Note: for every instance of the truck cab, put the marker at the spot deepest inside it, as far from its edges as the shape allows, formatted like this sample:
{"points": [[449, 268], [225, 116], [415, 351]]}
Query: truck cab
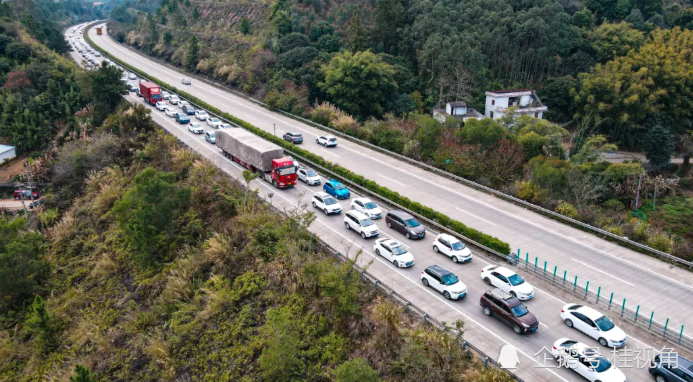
{"points": [[283, 172]]}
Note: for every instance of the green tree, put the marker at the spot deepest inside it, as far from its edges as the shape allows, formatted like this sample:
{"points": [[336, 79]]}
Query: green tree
{"points": [[297, 58], [556, 95], [593, 150], [280, 359], [329, 43], [104, 88], [389, 20], [22, 269], [146, 213], [659, 144], [196, 14], [357, 370], [359, 83], [584, 18], [357, 34], [43, 325], [191, 57], [615, 40], [167, 38], [485, 132], [18, 51], [280, 16], [292, 41], [82, 374], [245, 25]]}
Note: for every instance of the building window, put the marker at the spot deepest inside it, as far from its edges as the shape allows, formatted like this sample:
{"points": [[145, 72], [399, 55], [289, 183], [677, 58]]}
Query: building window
{"points": [[490, 114], [493, 102], [536, 115]]}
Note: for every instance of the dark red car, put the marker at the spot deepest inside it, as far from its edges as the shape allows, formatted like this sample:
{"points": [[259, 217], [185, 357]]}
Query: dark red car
{"points": [[26, 194]]}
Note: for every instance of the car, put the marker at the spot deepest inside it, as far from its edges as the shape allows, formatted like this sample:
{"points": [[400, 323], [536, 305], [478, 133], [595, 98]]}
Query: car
{"points": [[187, 109], [452, 247], [195, 127], [293, 137], [26, 194], [671, 367], [173, 99], [182, 103], [308, 176], [132, 76], [507, 281], [214, 122], [225, 126], [165, 95], [201, 115], [336, 189], [210, 137], [134, 87], [36, 203], [367, 207], [586, 361], [360, 223], [326, 203], [394, 252], [171, 112], [406, 224], [161, 106], [326, 140], [182, 118], [97, 54], [186, 81], [444, 282], [596, 325], [509, 310]]}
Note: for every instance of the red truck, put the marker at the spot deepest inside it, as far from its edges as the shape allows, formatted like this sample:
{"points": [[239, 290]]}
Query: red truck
{"points": [[258, 155], [151, 92], [26, 194]]}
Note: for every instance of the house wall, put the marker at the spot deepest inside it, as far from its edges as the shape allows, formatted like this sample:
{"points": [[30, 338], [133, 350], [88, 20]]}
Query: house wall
{"points": [[9, 155], [500, 102]]}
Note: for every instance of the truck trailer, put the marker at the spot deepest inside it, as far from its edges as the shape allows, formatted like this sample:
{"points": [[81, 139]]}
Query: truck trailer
{"points": [[99, 30], [151, 92], [258, 155]]}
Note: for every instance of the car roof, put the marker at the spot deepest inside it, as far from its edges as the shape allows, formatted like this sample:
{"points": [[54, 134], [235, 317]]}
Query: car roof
{"points": [[392, 243], [439, 270], [592, 314], [401, 214], [329, 136], [323, 194], [334, 182], [504, 271], [363, 200], [449, 238], [358, 215]]}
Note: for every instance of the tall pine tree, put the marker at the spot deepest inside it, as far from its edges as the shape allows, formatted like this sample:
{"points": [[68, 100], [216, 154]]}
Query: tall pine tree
{"points": [[357, 34], [193, 51]]}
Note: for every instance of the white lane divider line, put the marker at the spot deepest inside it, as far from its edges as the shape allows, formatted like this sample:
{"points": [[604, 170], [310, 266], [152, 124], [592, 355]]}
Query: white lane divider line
{"points": [[391, 180], [331, 153], [600, 271], [253, 118], [471, 214]]}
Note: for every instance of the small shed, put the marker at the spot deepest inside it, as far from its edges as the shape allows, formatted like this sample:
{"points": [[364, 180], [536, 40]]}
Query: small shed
{"points": [[7, 153]]}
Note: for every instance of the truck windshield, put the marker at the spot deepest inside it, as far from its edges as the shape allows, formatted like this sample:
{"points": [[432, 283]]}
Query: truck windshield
{"points": [[286, 170]]}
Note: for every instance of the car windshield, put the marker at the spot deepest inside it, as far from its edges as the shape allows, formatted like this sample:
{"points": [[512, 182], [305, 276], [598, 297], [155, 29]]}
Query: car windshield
{"points": [[604, 324], [195, 124], [339, 186], [330, 201], [599, 364], [458, 246], [287, 170], [215, 119], [412, 223], [203, 113], [370, 205], [211, 135], [519, 310], [366, 222], [333, 139], [398, 250], [516, 279], [311, 173], [450, 279]]}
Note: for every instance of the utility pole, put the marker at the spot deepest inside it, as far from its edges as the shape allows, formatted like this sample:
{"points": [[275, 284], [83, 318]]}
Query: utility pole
{"points": [[637, 198]]}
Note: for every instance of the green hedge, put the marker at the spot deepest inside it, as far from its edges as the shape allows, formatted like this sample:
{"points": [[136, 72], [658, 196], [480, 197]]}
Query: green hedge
{"points": [[444, 220]]}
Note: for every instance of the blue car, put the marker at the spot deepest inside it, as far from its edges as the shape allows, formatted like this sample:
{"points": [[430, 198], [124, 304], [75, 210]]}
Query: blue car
{"points": [[336, 189], [182, 118]]}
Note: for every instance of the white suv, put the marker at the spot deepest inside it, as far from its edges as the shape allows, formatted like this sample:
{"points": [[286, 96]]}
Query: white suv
{"points": [[360, 223], [394, 251], [451, 247], [161, 105], [201, 115], [594, 324], [195, 128], [444, 282], [325, 202], [367, 207], [173, 99], [507, 281], [326, 140]]}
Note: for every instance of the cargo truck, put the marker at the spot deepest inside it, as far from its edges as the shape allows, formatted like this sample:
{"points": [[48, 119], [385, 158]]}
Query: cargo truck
{"points": [[258, 155], [151, 92], [99, 30]]}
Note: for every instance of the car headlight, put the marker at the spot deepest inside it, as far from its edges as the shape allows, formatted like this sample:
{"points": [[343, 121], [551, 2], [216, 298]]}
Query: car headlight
{"points": [[525, 325]]}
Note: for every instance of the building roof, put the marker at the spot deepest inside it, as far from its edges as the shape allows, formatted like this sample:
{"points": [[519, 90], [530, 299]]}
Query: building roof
{"points": [[5, 148], [511, 91], [458, 104]]}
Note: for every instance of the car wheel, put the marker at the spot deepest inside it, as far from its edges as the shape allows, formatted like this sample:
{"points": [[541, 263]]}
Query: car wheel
{"points": [[447, 295], [377, 252], [517, 329], [487, 281], [568, 323], [396, 263], [435, 249], [317, 141], [325, 211], [603, 342], [389, 225], [487, 311], [325, 144], [660, 378], [513, 294], [16, 198], [425, 282], [363, 235], [347, 226], [274, 183], [407, 235], [454, 259]]}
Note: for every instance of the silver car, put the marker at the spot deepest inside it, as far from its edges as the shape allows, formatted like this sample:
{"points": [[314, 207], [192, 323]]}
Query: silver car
{"points": [[186, 81]]}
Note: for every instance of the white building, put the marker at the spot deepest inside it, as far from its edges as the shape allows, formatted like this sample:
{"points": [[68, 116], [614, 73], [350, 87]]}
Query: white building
{"points": [[7, 153], [457, 110], [525, 102]]}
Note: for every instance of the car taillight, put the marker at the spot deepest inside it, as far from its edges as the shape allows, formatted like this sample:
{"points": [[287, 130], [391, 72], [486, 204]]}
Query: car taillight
{"points": [[554, 348], [562, 311]]}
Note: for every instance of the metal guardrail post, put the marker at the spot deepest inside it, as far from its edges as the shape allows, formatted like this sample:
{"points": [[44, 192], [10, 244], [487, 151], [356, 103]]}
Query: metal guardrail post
{"points": [[664, 334], [564, 274], [406, 308], [623, 307], [611, 299], [464, 345], [575, 284], [526, 260], [587, 287], [599, 291], [544, 267], [486, 362], [650, 324], [637, 310], [555, 268], [681, 334], [425, 316]]}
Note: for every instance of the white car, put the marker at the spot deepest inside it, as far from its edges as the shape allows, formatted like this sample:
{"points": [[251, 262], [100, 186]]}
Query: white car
{"points": [[97, 54], [171, 112], [195, 128], [201, 115], [186, 81], [586, 361], [325, 202], [594, 324], [226, 126], [308, 176], [507, 281], [214, 122], [173, 99], [182, 103], [326, 140], [394, 251], [367, 207], [444, 282], [132, 76], [360, 223], [165, 95], [162, 106], [453, 248]]}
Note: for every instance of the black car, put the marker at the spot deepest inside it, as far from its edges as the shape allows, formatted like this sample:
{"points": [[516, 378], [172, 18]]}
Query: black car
{"points": [[36, 204], [189, 110], [292, 137], [405, 223], [671, 367]]}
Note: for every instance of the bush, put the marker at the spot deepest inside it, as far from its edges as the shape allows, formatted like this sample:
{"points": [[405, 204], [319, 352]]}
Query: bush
{"points": [[566, 209], [661, 241], [615, 230], [323, 113], [614, 205], [357, 370], [293, 41]]}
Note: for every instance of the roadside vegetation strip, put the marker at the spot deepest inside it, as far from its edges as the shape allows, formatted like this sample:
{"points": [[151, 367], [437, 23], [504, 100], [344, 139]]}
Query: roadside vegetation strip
{"points": [[427, 212]]}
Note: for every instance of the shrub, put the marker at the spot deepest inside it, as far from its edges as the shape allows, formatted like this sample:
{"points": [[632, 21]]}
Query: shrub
{"points": [[357, 370], [528, 191], [344, 122], [614, 205], [615, 230], [661, 241], [323, 113], [566, 209]]}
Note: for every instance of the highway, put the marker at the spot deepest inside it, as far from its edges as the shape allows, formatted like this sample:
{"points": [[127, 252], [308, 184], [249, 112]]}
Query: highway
{"points": [[583, 254]]}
